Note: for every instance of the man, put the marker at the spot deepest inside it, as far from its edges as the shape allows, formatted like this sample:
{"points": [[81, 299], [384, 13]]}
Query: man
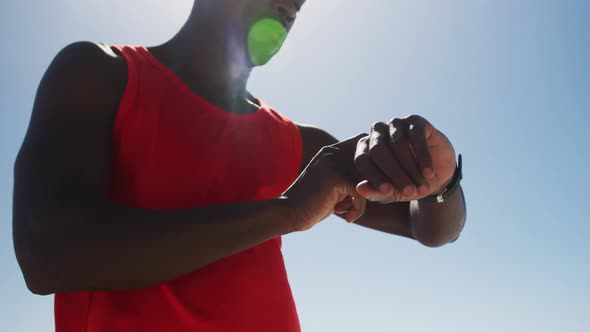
{"points": [[152, 190]]}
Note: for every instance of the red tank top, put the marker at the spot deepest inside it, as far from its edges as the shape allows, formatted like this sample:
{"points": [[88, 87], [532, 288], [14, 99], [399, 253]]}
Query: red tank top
{"points": [[174, 150]]}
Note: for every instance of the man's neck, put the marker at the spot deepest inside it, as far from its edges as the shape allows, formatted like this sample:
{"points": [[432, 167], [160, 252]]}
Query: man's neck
{"points": [[206, 57]]}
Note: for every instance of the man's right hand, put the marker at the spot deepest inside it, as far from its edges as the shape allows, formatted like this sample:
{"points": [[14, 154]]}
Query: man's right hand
{"points": [[326, 186]]}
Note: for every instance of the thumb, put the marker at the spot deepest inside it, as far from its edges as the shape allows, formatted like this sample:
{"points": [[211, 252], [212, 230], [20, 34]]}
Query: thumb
{"points": [[366, 190]]}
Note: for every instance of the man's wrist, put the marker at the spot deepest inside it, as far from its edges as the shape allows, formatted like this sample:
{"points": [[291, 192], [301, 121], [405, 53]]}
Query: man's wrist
{"points": [[441, 189], [441, 194], [283, 219]]}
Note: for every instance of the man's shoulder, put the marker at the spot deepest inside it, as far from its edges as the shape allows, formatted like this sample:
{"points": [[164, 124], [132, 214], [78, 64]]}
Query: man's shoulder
{"points": [[89, 48], [85, 72], [89, 57]]}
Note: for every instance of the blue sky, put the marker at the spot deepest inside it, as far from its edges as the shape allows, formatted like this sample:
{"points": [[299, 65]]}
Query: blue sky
{"points": [[507, 81]]}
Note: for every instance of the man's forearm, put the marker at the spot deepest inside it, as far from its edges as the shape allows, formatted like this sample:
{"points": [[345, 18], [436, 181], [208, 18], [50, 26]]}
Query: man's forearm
{"points": [[436, 224], [116, 248]]}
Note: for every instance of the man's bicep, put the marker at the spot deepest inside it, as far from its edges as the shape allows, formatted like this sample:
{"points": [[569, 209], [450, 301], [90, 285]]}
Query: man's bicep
{"points": [[314, 139]]}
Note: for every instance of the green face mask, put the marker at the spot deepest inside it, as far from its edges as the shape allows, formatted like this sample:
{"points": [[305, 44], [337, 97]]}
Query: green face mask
{"points": [[265, 39]]}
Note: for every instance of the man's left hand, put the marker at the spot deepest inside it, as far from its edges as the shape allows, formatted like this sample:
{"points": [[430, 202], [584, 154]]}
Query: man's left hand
{"points": [[403, 160]]}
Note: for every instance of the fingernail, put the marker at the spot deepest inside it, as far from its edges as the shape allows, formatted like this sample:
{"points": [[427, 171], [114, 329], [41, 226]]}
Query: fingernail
{"points": [[409, 191], [423, 190], [385, 188], [428, 173]]}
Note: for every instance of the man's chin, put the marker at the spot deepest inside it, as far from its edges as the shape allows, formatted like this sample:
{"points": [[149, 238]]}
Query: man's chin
{"points": [[261, 60]]}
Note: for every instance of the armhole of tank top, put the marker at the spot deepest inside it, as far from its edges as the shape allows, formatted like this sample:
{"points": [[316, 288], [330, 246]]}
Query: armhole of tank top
{"points": [[297, 148], [124, 107], [293, 140], [296, 144]]}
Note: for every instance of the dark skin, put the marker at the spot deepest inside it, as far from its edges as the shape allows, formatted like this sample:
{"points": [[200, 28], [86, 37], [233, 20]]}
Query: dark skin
{"points": [[69, 236]]}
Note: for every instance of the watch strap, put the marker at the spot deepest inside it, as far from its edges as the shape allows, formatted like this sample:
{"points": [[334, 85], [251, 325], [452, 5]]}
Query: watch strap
{"points": [[451, 187]]}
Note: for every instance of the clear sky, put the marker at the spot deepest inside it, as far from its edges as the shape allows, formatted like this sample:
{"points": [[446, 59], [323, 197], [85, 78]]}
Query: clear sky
{"points": [[509, 83]]}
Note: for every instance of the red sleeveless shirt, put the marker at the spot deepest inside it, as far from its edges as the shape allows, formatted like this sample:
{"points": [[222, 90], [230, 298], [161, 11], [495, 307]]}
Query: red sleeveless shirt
{"points": [[174, 150]]}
